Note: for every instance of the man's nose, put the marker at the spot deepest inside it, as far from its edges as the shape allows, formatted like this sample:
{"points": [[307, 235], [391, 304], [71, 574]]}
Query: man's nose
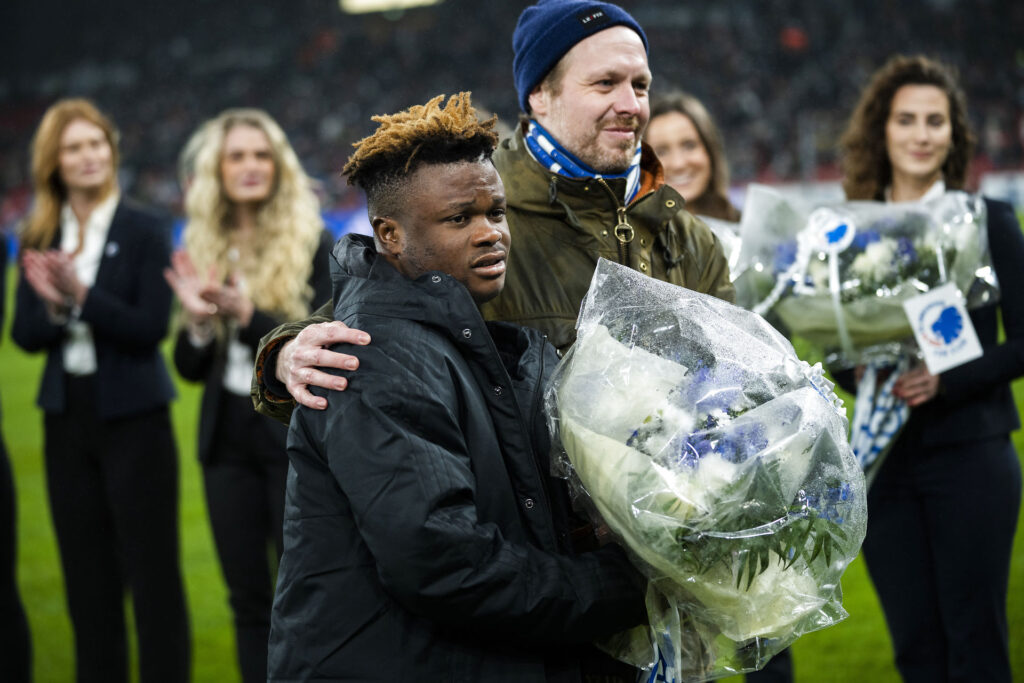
{"points": [[487, 232], [626, 100]]}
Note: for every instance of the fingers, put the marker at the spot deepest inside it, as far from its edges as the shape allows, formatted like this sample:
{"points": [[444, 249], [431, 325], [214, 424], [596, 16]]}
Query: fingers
{"points": [[299, 358], [334, 332], [41, 278], [299, 364], [916, 386], [304, 397], [307, 377]]}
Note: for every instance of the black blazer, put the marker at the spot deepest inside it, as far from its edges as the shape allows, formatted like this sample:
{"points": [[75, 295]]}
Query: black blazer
{"points": [[975, 400], [127, 308], [208, 363]]}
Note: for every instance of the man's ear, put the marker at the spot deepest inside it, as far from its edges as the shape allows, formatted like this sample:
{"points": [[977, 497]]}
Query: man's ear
{"points": [[538, 100], [388, 235]]}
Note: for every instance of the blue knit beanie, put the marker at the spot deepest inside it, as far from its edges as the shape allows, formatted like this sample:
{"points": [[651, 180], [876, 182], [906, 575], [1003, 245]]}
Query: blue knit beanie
{"points": [[549, 29]]}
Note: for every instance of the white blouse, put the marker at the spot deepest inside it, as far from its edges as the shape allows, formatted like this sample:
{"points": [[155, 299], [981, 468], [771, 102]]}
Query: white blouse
{"points": [[79, 350]]}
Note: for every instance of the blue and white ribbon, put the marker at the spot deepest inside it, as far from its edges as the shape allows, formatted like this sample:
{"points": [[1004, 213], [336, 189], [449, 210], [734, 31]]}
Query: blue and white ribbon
{"points": [[663, 671], [557, 159], [878, 417]]}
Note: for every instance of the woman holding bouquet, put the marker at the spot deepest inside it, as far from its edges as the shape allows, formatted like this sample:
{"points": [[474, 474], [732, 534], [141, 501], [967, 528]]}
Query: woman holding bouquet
{"points": [[256, 256], [944, 505], [92, 297]]}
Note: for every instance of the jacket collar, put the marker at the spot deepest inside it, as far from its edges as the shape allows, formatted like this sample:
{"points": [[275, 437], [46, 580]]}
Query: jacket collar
{"points": [[529, 187], [362, 277]]}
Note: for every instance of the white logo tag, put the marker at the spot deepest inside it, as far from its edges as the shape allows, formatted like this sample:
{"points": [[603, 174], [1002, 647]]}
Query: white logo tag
{"points": [[942, 328]]}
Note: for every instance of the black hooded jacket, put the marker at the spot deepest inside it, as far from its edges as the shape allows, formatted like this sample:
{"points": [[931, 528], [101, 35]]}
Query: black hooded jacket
{"points": [[424, 538]]}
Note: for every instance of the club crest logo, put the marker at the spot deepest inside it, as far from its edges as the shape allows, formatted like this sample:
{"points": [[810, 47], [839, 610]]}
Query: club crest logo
{"points": [[940, 325], [831, 230]]}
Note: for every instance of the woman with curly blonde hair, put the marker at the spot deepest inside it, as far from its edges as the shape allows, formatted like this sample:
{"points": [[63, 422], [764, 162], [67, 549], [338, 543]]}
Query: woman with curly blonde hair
{"points": [[945, 501], [255, 256]]}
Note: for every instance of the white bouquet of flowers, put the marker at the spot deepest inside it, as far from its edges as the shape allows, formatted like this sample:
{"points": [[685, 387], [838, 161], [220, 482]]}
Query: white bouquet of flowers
{"points": [[838, 274], [689, 427]]}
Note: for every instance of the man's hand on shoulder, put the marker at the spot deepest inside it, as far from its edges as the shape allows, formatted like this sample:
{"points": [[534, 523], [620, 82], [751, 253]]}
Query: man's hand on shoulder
{"points": [[299, 361]]}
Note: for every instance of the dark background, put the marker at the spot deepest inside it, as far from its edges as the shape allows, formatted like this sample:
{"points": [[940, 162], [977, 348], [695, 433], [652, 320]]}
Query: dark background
{"points": [[779, 77]]}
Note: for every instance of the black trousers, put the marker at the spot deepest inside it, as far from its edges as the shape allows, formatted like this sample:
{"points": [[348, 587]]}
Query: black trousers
{"points": [[941, 523], [779, 669], [113, 489], [15, 644], [245, 483]]}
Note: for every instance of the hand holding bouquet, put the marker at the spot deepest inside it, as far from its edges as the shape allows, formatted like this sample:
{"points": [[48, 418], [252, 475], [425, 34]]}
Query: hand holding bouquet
{"points": [[719, 459]]}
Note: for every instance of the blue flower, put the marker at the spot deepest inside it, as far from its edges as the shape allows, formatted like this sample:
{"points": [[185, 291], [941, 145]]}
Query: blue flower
{"points": [[785, 255], [836, 497], [905, 250], [863, 239]]}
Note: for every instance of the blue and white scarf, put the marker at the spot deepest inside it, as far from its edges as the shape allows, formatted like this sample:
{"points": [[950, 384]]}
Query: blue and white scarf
{"points": [[878, 417], [557, 159]]}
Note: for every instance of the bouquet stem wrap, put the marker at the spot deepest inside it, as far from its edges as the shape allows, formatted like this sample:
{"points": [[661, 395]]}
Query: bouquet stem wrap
{"points": [[689, 427]]}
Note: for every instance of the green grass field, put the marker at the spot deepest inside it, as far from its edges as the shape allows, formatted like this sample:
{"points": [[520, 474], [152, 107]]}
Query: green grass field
{"points": [[856, 650]]}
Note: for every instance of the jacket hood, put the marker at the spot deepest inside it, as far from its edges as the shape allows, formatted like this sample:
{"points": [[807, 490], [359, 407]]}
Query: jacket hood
{"points": [[362, 280]]}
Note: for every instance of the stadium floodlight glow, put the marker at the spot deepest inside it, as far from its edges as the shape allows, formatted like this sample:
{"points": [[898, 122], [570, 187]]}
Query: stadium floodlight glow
{"points": [[366, 6]]}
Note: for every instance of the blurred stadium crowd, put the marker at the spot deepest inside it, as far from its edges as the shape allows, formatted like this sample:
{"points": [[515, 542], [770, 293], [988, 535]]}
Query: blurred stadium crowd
{"points": [[778, 76]]}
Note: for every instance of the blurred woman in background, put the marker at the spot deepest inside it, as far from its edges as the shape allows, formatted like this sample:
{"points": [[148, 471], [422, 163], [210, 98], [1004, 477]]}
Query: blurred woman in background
{"points": [[689, 147], [256, 254], [92, 296], [944, 504]]}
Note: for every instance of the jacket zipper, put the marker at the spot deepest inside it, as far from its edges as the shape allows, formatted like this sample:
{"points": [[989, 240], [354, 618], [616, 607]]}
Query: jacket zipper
{"points": [[624, 232]]}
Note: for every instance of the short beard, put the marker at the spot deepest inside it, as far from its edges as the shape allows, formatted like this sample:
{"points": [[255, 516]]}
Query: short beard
{"points": [[606, 162]]}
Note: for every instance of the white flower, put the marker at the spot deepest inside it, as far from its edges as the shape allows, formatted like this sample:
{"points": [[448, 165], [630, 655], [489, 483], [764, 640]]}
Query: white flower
{"points": [[877, 261], [818, 271]]}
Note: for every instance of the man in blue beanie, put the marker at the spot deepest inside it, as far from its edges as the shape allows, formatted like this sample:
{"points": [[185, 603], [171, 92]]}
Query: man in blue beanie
{"points": [[580, 186]]}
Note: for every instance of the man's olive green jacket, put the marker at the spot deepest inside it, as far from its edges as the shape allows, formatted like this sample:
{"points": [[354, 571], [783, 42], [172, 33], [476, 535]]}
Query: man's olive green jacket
{"points": [[559, 228]]}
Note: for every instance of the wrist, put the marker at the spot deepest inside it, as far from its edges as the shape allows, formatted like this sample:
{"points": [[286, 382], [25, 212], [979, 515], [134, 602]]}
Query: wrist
{"points": [[200, 331], [245, 313], [81, 291]]}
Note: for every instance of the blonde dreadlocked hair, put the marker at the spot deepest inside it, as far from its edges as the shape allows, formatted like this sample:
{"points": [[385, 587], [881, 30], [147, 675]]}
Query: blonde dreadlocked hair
{"points": [[424, 134]]}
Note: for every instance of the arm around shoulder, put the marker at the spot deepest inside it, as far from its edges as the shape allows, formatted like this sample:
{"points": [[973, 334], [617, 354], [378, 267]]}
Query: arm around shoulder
{"points": [[270, 397]]}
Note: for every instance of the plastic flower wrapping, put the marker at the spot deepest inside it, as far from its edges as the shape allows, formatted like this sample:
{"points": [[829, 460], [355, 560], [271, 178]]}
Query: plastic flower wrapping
{"points": [[728, 234], [690, 429], [838, 274]]}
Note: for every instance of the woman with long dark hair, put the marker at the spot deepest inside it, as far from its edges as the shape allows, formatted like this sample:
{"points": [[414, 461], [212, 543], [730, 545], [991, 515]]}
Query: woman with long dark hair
{"points": [[943, 508]]}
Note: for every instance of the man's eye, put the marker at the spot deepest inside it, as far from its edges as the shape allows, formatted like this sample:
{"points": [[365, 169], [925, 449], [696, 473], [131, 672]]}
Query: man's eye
{"points": [[498, 213], [459, 219]]}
